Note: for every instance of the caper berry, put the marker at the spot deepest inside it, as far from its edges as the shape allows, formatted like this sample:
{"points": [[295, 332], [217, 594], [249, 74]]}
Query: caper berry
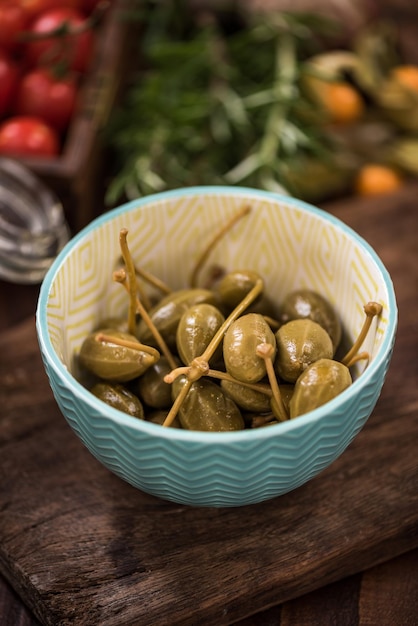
{"points": [[166, 315], [319, 383], [240, 344], [309, 304], [299, 343], [151, 388], [119, 397], [234, 286], [196, 328], [111, 360], [246, 398], [207, 408]]}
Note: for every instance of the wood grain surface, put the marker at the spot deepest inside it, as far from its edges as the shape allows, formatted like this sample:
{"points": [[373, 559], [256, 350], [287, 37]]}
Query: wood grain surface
{"points": [[80, 546]]}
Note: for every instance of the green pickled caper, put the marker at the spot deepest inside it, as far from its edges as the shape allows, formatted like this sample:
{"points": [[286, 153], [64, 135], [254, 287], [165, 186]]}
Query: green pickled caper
{"points": [[197, 327], [151, 388], [159, 416], [167, 313], [235, 285], [104, 354], [206, 407], [119, 397], [299, 343], [319, 383], [240, 347], [246, 398], [306, 303]]}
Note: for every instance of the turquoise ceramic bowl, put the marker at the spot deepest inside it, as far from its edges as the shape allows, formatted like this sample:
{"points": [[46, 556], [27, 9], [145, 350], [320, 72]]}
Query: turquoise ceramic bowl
{"points": [[291, 244]]}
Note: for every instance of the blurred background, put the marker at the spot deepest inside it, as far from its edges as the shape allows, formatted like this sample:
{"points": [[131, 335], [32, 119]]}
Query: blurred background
{"points": [[105, 101]]}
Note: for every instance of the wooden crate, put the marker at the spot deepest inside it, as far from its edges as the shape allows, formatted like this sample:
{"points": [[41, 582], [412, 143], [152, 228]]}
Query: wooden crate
{"points": [[77, 175]]}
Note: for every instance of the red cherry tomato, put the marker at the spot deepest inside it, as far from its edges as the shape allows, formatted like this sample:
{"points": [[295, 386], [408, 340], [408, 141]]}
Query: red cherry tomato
{"points": [[9, 79], [75, 50], [42, 95], [13, 21], [28, 136], [32, 8]]}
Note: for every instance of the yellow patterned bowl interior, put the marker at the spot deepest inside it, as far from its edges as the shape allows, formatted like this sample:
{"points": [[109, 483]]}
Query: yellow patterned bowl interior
{"points": [[290, 243]]}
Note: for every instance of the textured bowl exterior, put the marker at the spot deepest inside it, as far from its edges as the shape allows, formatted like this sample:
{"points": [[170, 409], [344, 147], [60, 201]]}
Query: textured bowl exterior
{"points": [[216, 469]]}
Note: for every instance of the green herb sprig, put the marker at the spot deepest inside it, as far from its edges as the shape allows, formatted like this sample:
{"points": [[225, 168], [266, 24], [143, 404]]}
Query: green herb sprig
{"points": [[216, 101]]}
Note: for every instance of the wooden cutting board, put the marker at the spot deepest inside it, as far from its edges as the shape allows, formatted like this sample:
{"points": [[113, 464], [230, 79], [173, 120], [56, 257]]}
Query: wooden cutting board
{"points": [[82, 547]]}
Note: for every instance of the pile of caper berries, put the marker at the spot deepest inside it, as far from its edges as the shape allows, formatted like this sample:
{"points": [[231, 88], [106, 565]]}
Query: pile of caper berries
{"points": [[221, 357]]}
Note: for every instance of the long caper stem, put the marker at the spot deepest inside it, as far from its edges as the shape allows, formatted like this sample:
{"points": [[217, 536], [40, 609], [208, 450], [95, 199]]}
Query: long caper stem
{"points": [[153, 280], [219, 375], [193, 372], [198, 367], [131, 276], [172, 414], [371, 309], [216, 272], [266, 352], [126, 343], [120, 277], [360, 356], [218, 235], [274, 324], [141, 291], [143, 297], [260, 387], [176, 372]]}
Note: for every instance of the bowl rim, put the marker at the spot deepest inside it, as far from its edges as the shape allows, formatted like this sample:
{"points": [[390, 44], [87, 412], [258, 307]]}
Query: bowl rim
{"points": [[202, 437]]}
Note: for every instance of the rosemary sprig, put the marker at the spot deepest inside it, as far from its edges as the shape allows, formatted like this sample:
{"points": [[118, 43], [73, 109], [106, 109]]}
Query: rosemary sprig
{"points": [[214, 103]]}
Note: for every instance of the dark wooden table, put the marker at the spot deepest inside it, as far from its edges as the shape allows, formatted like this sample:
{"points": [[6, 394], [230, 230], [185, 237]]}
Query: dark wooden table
{"points": [[385, 594]]}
